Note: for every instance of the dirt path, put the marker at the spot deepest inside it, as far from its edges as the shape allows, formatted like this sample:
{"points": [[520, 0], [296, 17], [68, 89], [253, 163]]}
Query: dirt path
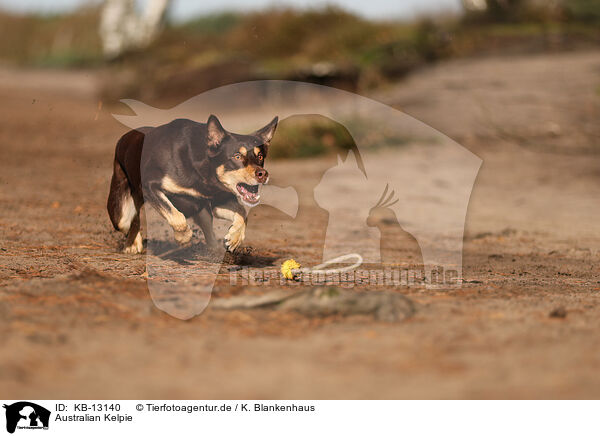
{"points": [[77, 321]]}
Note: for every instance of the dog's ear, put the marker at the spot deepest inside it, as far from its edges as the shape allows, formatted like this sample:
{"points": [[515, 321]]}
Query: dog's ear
{"points": [[215, 133], [267, 132]]}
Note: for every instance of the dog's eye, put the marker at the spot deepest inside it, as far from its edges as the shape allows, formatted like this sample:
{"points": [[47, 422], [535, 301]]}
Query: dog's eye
{"points": [[260, 157], [237, 156]]}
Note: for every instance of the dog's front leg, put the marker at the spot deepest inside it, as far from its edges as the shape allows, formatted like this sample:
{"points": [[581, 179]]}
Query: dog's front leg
{"points": [[234, 212], [159, 200]]}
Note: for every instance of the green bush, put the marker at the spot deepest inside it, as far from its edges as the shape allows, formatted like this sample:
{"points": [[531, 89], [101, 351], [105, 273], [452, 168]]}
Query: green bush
{"points": [[307, 136], [586, 11], [213, 24]]}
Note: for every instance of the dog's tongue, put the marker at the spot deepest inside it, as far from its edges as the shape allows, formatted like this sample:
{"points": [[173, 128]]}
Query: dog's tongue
{"points": [[245, 191]]}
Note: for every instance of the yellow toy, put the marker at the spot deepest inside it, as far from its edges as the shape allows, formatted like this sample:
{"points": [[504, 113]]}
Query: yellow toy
{"points": [[287, 267], [291, 269]]}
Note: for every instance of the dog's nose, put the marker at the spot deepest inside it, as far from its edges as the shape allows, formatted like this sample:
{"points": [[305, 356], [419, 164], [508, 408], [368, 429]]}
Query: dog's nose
{"points": [[261, 175]]}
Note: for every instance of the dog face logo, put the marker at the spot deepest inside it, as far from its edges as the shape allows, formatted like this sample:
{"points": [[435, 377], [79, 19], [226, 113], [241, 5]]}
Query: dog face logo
{"points": [[239, 159], [26, 415]]}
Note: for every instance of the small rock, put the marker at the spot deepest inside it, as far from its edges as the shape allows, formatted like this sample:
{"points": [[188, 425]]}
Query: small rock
{"points": [[383, 306], [559, 312], [552, 129]]}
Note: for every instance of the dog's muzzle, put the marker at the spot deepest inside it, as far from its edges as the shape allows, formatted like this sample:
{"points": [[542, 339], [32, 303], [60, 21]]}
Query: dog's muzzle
{"points": [[261, 175]]}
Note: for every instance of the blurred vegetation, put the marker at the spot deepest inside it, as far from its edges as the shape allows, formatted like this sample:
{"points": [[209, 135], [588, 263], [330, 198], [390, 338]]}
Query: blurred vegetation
{"points": [[327, 46], [307, 136], [537, 11], [515, 11], [304, 136], [51, 40], [586, 11]]}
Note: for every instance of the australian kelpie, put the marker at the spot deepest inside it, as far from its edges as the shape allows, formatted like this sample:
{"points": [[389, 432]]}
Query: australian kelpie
{"points": [[188, 169]]}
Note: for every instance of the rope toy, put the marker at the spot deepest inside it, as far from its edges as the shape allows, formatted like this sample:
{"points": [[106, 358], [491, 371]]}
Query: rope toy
{"points": [[292, 270]]}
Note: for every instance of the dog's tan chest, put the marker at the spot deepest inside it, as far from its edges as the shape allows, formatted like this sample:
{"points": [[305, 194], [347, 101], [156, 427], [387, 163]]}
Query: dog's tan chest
{"points": [[169, 185]]}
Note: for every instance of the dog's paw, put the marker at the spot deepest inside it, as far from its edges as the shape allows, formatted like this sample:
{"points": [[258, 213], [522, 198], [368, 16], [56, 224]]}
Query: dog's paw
{"points": [[132, 249], [234, 238], [184, 237], [136, 246]]}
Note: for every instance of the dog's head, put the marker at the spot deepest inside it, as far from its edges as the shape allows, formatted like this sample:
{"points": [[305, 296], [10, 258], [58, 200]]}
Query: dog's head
{"points": [[239, 160]]}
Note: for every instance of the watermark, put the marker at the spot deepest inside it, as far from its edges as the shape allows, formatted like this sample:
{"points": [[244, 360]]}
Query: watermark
{"points": [[25, 415], [389, 276], [203, 173]]}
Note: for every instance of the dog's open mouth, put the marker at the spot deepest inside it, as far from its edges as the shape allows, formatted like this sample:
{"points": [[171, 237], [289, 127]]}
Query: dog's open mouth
{"points": [[249, 193]]}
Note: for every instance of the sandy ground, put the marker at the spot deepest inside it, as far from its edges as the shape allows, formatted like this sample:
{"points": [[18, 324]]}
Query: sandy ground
{"points": [[77, 320]]}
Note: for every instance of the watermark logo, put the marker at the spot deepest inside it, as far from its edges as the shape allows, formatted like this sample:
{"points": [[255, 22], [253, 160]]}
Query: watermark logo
{"points": [[25, 415], [400, 184]]}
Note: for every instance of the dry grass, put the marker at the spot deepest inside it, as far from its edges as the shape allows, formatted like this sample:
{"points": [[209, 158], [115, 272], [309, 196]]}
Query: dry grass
{"points": [[50, 40]]}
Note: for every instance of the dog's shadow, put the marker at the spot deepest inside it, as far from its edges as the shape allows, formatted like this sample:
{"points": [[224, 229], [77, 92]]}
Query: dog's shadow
{"points": [[201, 253]]}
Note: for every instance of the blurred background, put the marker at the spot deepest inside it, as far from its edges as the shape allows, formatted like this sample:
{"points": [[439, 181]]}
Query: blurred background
{"points": [[169, 50]]}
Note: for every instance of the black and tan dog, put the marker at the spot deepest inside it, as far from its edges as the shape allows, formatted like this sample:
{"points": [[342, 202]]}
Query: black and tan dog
{"points": [[188, 169]]}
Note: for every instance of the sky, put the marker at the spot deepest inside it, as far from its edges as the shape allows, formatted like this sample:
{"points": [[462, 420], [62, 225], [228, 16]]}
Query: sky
{"points": [[183, 9]]}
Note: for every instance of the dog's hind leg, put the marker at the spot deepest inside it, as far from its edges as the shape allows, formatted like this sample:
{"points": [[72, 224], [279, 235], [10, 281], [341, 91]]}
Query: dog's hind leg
{"points": [[123, 210], [204, 220], [134, 243]]}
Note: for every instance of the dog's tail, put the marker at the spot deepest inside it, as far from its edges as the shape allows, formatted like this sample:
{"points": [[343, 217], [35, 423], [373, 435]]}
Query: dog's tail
{"points": [[125, 185]]}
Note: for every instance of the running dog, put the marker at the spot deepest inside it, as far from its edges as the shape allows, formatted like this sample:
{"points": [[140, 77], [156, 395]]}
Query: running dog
{"points": [[188, 170]]}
